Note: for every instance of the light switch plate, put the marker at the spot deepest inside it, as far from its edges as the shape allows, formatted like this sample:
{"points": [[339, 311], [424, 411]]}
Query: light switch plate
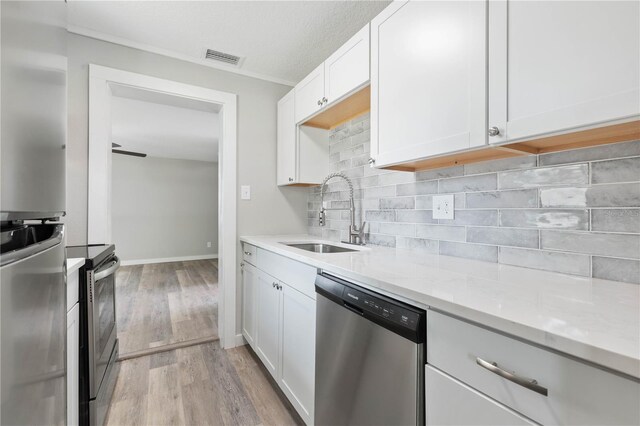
{"points": [[443, 206], [245, 192]]}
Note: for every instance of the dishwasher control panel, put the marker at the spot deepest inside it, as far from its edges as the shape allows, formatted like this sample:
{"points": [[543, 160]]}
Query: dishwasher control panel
{"points": [[382, 308]]}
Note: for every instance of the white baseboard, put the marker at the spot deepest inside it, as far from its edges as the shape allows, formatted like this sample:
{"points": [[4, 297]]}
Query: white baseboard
{"points": [[240, 340], [168, 259]]}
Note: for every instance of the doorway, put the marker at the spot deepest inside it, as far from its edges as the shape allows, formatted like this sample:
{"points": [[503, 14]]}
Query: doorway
{"points": [[164, 219], [104, 84]]}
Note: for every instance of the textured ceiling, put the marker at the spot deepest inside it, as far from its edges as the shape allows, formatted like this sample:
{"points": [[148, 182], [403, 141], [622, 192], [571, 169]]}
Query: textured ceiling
{"points": [[282, 40], [164, 126]]}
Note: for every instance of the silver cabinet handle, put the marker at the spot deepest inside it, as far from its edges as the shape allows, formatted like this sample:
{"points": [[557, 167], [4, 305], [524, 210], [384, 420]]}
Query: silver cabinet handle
{"points": [[494, 131], [325, 100], [530, 384], [274, 285], [290, 179], [372, 161], [319, 102], [248, 253]]}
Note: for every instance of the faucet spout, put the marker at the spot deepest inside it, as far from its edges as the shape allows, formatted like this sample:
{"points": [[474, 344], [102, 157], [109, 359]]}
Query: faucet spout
{"points": [[356, 236]]}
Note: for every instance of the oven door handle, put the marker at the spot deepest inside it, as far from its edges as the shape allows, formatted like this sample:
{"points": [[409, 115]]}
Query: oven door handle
{"points": [[115, 264]]}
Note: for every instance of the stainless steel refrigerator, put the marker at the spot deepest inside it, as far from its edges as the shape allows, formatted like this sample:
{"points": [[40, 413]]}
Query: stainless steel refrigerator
{"points": [[33, 92]]}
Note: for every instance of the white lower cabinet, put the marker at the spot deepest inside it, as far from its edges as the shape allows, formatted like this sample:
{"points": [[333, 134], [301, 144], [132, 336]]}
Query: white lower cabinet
{"points": [[249, 300], [279, 322], [268, 323], [542, 385], [450, 402], [297, 378], [73, 365]]}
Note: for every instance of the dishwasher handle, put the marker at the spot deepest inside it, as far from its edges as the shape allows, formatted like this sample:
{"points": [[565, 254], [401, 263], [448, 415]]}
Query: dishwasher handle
{"points": [[353, 308]]}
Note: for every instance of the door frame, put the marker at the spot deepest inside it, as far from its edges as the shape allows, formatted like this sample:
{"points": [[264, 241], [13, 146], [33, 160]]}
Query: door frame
{"points": [[101, 79]]}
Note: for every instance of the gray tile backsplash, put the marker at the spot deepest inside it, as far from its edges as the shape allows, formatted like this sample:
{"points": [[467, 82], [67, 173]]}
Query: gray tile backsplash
{"points": [[575, 212]]}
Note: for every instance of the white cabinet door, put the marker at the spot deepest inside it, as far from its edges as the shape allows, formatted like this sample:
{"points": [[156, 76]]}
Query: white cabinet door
{"points": [[555, 66], [73, 365], [298, 350], [309, 93], [286, 140], [348, 67], [428, 79], [249, 302], [268, 322], [449, 402]]}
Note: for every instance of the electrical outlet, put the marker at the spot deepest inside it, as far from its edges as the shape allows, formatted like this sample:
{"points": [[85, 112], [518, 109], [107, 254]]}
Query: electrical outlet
{"points": [[245, 192], [443, 206], [208, 244]]}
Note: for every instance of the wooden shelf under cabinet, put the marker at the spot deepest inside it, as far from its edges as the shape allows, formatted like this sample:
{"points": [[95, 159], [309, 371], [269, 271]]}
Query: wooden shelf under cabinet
{"points": [[345, 110], [582, 139]]}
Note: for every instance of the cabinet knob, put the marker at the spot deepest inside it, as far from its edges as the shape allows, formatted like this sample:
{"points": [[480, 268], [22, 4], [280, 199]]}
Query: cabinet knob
{"points": [[325, 100], [290, 179], [241, 264], [494, 131], [372, 161], [319, 102], [274, 285]]}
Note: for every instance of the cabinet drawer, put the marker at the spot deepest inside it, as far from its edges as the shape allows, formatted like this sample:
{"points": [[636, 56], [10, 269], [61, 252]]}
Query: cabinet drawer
{"points": [[445, 395], [577, 393], [249, 253], [295, 274]]}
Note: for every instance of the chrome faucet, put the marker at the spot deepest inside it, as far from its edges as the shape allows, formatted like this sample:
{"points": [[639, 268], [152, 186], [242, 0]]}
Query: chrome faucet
{"points": [[356, 236]]}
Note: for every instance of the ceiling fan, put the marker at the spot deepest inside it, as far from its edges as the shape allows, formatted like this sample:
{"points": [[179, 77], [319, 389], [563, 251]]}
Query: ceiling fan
{"points": [[124, 152]]}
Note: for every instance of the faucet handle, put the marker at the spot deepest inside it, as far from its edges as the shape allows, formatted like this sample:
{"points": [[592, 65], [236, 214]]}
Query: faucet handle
{"points": [[361, 232]]}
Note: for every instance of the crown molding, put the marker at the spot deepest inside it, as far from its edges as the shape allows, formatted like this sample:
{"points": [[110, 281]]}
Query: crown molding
{"points": [[172, 54]]}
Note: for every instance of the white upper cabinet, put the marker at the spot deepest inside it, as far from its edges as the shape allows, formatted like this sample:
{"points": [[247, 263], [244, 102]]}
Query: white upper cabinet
{"points": [[309, 94], [348, 67], [556, 66], [428, 79], [343, 72], [286, 140]]}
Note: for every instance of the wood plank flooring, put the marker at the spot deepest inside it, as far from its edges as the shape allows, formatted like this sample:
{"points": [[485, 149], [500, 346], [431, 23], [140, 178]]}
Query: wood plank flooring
{"points": [[198, 385], [165, 303]]}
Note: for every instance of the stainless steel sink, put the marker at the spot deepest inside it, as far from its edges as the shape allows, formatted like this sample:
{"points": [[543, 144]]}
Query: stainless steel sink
{"points": [[319, 247]]}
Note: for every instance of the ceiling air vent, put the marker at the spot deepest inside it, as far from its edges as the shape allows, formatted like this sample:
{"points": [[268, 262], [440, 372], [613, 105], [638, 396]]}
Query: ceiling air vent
{"points": [[214, 55]]}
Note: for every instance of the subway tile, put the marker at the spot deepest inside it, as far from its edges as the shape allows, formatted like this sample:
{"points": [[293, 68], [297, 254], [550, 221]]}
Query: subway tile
{"points": [[315, 232], [621, 170], [576, 174], [623, 149], [469, 251], [415, 216], [440, 173], [597, 243], [380, 216], [351, 152], [503, 199], [382, 240], [340, 165], [361, 160], [425, 202], [373, 227], [420, 244], [608, 195], [566, 263], [615, 220], [503, 236], [400, 229], [418, 188], [370, 203], [441, 232], [362, 137], [331, 234], [334, 158], [368, 181], [398, 203], [468, 183], [609, 268], [396, 178], [473, 217], [525, 162], [545, 218], [380, 191]]}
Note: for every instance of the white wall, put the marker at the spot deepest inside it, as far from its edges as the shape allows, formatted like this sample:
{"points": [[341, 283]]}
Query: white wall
{"points": [[271, 210], [164, 208]]}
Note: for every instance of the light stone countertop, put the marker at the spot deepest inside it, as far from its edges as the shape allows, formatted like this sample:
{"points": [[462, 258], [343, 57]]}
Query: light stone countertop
{"points": [[592, 319], [73, 264]]}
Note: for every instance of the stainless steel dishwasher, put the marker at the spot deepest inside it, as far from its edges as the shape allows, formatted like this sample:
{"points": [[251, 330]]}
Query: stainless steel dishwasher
{"points": [[369, 357]]}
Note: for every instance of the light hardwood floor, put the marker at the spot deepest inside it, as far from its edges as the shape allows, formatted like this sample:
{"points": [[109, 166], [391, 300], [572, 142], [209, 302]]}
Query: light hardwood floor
{"points": [[165, 303], [198, 385]]}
